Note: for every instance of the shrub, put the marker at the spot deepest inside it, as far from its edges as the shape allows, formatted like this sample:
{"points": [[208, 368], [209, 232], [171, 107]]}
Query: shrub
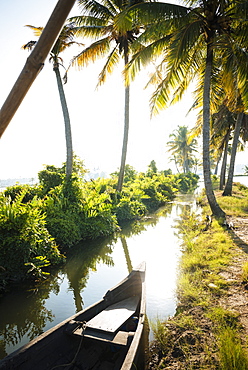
{"points": [[153, 198], [62, 207], [51, 177], [186, 182], [98, 226], [129, 174], [64, 228], [127, 209], [30, 192], [23, 235]]}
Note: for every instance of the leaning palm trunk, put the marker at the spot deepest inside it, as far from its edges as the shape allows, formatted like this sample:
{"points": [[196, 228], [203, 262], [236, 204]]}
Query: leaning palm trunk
{"points": [[228, 187], [224, 162], [126, 131], [34, 62], [215, 208], [68, 137]]}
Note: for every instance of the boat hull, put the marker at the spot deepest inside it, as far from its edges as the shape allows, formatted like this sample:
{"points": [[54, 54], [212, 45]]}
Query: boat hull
{"points": [[97, 346]]}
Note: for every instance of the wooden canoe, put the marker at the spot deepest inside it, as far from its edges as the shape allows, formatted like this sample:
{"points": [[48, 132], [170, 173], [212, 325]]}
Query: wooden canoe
{"points": [[106, 335]]}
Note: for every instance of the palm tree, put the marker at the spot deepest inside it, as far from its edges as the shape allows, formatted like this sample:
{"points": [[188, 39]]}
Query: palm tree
{"points": [[225, 143], [182, 147], [98, 23], [64, 41], [208, 38], [223, 122], [35, 62], [241, 117]]}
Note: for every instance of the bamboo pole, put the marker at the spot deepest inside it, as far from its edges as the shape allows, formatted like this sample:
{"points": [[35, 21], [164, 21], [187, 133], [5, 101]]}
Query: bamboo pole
{"points": [[35, 62]]}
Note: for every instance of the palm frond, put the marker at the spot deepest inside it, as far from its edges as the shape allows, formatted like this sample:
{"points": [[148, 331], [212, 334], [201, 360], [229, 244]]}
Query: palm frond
{"points": [[160, 98], [145, 55], [178, 73], [30, 45], [65, 46], [186, 38], [95, 9], [114, 6], [91, 32], [86, 20], [147, 13], [37, 30], [112, 61], [90, 54]]}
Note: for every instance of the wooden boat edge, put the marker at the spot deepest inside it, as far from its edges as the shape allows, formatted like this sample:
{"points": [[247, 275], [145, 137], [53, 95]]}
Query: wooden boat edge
{"points": [[60, 327]]}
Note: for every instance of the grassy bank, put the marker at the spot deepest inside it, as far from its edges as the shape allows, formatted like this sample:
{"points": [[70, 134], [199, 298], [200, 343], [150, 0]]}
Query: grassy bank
{"points": [[209, 330]]}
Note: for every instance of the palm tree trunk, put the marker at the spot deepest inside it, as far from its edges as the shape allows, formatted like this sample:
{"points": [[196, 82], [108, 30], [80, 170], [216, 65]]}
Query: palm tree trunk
{"points": [[126, 132], [215, 208], [176, 165], [126, 252], [217, 165], [34, 62], [228, 187], [68, 136], [186, 164], [224, 162]]}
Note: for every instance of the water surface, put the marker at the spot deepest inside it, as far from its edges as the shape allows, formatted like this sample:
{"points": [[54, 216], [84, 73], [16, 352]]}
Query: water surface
{"points": [[91, 270]]}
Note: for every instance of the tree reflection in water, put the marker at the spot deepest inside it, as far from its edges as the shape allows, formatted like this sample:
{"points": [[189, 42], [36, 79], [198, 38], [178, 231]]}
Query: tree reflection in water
{"points": [[23, 311], [28, 319], [84, 259], [21, 323]]}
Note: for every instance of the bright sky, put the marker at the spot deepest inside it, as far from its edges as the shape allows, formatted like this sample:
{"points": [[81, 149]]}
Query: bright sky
{"points": [[35, 136]]}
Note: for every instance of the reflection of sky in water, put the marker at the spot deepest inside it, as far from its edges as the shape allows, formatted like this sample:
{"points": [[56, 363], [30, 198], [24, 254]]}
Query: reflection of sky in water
{"points": [[158, 246]]}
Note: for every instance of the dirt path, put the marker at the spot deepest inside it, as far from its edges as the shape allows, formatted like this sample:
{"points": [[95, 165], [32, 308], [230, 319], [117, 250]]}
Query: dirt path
{"points": [[237, 296]]}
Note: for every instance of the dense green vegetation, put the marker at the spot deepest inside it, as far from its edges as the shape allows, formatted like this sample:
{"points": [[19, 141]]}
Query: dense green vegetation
{"points": [[38, 224]]}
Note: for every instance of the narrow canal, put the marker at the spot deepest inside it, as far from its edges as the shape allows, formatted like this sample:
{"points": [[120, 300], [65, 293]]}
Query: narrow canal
{"points": [[91, 270]]}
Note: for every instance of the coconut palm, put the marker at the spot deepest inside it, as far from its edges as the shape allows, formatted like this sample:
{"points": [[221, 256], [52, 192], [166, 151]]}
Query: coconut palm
{"points": [[210, 37], [64, 41], [182, 147], [223, 122], [241, 118], [98, 23], [225, 147]]}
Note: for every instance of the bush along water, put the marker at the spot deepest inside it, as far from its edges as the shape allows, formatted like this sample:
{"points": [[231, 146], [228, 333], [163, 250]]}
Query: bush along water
{"points": [[38, 224]]}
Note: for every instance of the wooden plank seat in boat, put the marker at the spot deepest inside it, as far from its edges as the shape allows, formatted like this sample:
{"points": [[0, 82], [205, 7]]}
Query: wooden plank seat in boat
{"points": [[111, 319], [105, 325], [121, 338]]}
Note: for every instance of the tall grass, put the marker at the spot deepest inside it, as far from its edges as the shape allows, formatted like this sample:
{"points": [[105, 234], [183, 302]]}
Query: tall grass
{"points": [[161, 334], [245, 273], [231, 353], [206, 253], [237, 204]]}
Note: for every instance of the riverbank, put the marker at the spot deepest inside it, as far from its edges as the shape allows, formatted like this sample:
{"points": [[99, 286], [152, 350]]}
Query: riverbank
{"points": [[210, 328], [41, 224]]}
